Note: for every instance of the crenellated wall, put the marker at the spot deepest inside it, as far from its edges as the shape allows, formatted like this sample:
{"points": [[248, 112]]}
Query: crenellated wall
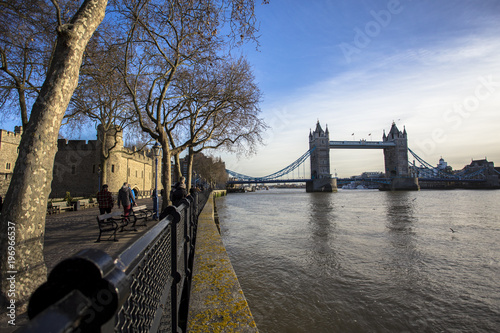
{"points": [[77, 165]]}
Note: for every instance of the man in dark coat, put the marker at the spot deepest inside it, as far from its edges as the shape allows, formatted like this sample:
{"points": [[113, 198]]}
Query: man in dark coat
{"points": [[105, 200], [179, 192], [126, 199]]}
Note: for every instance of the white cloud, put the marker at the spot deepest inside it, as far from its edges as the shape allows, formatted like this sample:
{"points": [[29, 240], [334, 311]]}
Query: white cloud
{"points": [[418, 88]]}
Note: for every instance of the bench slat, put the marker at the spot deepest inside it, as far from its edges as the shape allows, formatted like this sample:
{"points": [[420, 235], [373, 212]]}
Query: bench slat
{"points": [[109, 215]]}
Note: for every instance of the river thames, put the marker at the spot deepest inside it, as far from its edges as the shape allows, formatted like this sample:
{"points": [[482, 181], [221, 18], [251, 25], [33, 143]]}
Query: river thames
{"points": [[366, 261]]}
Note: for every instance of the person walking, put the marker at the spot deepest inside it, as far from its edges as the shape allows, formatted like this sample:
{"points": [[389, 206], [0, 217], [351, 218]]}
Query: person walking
{"points": [[179, 192], [133, 194], [126, 199], [105, 200]]}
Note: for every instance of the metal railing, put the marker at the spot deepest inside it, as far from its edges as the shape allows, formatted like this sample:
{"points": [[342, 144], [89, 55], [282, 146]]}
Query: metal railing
{"points": [[144, 289]]}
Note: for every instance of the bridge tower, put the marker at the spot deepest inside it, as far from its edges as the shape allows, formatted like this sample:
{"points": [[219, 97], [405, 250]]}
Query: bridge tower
{"points": [[396, 158], [321, 179], [396, 161]]}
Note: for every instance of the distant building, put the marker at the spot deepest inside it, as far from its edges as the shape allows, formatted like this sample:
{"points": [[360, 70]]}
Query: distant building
{"points": [[480, 164], [442, 165], [423, 172], [77, 165]]}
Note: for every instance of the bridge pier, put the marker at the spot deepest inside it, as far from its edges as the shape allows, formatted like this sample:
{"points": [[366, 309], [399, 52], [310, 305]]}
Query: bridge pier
{"points": [[322, 185], [401, 184]]}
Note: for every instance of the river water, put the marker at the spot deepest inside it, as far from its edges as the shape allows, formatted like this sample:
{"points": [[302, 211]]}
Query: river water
{"points": [[365, 260]]}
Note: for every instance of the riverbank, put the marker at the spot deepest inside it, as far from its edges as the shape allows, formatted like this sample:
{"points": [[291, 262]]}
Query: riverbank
{"points": [[217, 302]]}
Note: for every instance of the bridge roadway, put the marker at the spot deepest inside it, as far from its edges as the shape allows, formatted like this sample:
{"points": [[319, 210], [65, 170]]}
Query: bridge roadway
{"points": [[347, 180], [267, 181], [361, 144]]}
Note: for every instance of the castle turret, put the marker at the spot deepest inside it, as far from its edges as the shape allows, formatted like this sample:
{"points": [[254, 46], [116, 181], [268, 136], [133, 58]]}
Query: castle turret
{"points": [[111, 168], [113, 136]]}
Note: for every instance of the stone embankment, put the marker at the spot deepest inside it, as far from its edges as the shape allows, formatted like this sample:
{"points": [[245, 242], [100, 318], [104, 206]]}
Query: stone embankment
{"points": [[217, 302]]}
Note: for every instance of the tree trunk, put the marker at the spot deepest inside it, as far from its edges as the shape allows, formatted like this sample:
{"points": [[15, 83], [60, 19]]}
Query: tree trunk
{"points": [[103, 157], [189, 169], [22, 105], [22, 223], [165, 170], [104, 171], [178, 168]]}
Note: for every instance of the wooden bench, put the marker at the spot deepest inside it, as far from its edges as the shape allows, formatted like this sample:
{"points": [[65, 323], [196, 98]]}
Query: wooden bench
{"points": [[52, 209], [142, 213], [114, 221], [57, 207], [84, 203]]}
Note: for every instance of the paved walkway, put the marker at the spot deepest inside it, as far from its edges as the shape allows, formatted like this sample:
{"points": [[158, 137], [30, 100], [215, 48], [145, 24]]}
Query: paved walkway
{"points": [[70, 232]]}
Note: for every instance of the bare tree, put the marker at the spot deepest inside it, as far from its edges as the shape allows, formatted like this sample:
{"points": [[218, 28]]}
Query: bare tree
{"points": [[221, 100], [26, 46], [101, 97], [211, 170], [25, 205], [165, 36]]}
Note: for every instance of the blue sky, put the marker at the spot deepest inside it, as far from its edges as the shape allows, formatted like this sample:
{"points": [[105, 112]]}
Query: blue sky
{"points": [[358, 65], [431, 66]]}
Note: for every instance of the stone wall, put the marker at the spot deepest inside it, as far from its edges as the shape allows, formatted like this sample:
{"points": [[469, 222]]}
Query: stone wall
{"points": [[77, 164], [217, 302], [9, 141], [75, 168]]}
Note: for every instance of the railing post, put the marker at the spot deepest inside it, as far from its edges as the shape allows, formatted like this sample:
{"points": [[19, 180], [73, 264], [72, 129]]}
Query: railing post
{"points": [[176, 277], [93, 276]]}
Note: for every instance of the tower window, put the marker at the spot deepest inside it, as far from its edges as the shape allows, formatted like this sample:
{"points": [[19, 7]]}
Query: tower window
{"points": [[7, 166], [112, 168]]}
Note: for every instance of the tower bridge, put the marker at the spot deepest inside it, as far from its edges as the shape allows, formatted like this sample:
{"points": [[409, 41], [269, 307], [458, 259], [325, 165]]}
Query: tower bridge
{"points": [[394, 145], [400, 174]]}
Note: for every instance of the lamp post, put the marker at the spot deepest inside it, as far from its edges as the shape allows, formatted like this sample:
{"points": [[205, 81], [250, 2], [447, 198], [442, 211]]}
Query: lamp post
{"points": [[156, 152], [99, 178]]}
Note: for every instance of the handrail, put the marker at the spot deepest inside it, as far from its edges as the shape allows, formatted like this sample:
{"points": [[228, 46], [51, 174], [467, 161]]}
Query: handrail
{"points": [[142, 289]]}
